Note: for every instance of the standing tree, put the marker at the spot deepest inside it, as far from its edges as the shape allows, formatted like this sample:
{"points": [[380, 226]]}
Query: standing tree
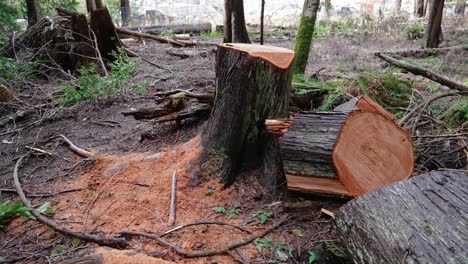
{"points": [[397, 7], [460, 8], [90, 5], [419, 8], [262, 18], [125, 11], [234, 22], [434, 28], [305, 34], [32, 12]]}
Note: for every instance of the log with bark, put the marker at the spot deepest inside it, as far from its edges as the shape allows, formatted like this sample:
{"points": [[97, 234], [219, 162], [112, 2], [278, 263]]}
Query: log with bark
{"points": [[252, 84], [422, 220], [176, 28], [135, 34], [348, 152]]}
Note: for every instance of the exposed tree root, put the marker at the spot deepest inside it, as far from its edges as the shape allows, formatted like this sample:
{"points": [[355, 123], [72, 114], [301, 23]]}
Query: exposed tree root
{"points": [[206, 253], [204, 223], [103, 241]]}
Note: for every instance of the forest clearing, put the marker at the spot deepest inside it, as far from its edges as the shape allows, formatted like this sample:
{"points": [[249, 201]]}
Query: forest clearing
{"points": [[335, 135]]}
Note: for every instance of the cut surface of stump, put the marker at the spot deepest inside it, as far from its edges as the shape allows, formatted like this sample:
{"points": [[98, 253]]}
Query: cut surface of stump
{"points": [[344, 152], [421, 220], [252, 84]]}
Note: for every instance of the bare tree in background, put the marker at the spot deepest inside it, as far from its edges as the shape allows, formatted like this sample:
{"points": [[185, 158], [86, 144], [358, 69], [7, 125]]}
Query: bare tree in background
{"points": [[434, 24], [419, 8], [397, 7], [460, 8], [125, 11], [32, 12], [234, 22], [90, 5]]}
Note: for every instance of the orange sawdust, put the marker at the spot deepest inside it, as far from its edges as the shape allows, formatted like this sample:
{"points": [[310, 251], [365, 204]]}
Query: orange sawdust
{"points": [[133, 192]]}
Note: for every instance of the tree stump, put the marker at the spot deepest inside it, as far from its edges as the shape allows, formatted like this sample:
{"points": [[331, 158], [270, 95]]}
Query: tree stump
{"points": [[104, 30], [252, 84], [346, 153], [422, 220]]}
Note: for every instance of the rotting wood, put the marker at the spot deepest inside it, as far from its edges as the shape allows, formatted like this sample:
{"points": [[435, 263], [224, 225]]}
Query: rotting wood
{"points": [[424, 72], [421, 220], [101, 240]]}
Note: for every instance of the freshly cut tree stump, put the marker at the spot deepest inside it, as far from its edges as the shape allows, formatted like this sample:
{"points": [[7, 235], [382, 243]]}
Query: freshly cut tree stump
{"points": [[422, 220], [252, 84], [344, 153]]}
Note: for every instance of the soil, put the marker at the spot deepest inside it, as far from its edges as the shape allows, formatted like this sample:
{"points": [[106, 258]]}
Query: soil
{"points": [[128, 184]]}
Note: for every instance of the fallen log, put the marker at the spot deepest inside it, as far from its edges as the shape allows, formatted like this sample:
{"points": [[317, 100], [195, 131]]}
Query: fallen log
{"points": [[424, 72], [172, 106], [422, 220], [424, 53], [135, 34], [176, 28], [345, 153]]}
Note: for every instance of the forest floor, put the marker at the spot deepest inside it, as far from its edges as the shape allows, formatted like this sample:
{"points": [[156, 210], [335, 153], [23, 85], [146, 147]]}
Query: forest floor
{"points": [[124, 189]]}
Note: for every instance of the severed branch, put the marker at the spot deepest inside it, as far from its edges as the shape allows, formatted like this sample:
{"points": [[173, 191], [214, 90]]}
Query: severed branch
{"points": [[423, 72], [76, 149], [278, 126], [148, 36], [206, 253], [103, 241], [172, 213]]}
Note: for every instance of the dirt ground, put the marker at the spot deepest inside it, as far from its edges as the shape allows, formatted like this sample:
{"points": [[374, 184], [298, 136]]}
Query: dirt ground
{"points": [[121, 190]]}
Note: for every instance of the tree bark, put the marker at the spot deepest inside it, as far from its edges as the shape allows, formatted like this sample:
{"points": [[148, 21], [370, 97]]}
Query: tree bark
{"points": [[125, 11], [83, 51], [99, 4], [32, 12], [239, 30], [460, 8], [227, 21], [262, 19], [305, 34], [434, 24], [419, 8], [421, 220], [252, 84], [90, 5], [104, 30]]}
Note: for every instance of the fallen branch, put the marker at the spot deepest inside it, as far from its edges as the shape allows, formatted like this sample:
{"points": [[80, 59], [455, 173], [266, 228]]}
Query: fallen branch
{"points": [[204, 223], [172, 213], [423, 72], [103, 241], [148, 36], [76, 149], [181, 252]]}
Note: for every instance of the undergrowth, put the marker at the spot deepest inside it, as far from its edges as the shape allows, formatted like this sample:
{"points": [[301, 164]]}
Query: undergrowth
{"points": [[211, 35], [13, 72], [93, 86]]}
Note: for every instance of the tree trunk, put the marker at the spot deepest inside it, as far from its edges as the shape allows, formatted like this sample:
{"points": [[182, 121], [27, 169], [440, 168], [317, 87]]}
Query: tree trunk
{"points": [[252, 84], [397, 7], [32, 12], [422, 220], [83, 51], [90, 5], [262, 18], [326, 152], [104, 30], [419, 8], [434, 24], [125, 11], [305, 34], [99, 4], [239, 30], [460, 8], [227, 21]]}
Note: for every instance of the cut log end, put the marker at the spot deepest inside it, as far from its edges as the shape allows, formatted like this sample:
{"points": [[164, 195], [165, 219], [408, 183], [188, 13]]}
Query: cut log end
{"points": [[280, 57], [371, 152]]}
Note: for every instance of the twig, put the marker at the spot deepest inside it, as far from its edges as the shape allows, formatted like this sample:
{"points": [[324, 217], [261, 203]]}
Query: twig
{"points": [[206, 253], [172, 213], [242, 256], [43, 194], [77, 150], [104, 241], [204, 223], [40, 150]]}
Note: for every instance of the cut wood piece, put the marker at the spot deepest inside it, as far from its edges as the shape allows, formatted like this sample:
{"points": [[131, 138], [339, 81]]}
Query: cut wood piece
{"points": [[249, 89], [280, 57], [372, 152], [364, 103], [316, 185], [421, 220]]}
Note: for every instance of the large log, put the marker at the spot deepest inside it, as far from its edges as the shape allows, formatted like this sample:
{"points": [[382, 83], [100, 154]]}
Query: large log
{"points": [[348, 152], [252, 84], [422, 220], [176, 28]]}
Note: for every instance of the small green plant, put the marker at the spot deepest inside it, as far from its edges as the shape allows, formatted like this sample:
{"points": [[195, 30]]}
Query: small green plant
{"points": [[10, 212], [93, 86], [211, 35], [415, 31], [284, 248], [220, 210], [12, 71], [264, 217], [260, 244], [233, 212], [457, 113], [312, 257]]}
